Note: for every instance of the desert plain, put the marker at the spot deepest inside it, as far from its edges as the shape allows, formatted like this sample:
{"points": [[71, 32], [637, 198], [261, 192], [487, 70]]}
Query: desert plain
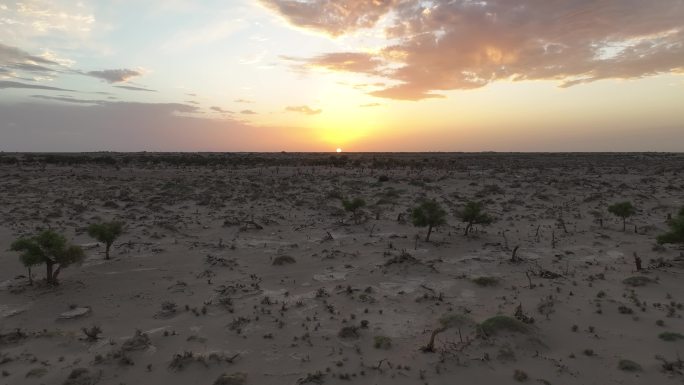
{"points": [[238, 269]]}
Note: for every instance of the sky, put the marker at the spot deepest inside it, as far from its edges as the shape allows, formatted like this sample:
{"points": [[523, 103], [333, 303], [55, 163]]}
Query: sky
{"points": [[318, 75]]}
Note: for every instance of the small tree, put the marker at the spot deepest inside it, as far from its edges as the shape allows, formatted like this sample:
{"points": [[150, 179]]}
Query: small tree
{"points": [[472, 214], [622, 210], [676, 233], [106, 232], [353, 206], [49, 248], [430, 214]]}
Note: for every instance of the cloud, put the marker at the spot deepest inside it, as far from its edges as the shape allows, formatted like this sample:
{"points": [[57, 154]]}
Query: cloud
{"points": [[48, 126], [306, 110], [371, 105], [132, 88], [334, 17], [340, 61], [248, 112], [243, 101], [67, 99], [115, 75], [220, 110], [15, 59], [66, 23], [4, 84], [10, 55], [437, 46]]}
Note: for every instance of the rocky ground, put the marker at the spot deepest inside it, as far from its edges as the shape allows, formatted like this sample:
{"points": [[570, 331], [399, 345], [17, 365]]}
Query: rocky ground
{"points": [[249, 270]]}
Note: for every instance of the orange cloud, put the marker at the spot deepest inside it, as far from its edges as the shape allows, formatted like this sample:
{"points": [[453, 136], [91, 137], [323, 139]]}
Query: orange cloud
{"points": [[441, 46]]}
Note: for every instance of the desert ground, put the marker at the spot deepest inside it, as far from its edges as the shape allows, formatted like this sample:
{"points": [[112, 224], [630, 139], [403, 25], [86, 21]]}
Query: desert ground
{"points": [[246, 269]]}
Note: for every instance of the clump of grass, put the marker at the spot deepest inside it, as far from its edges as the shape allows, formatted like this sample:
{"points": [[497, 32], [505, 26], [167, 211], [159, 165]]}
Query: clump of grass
{"points": [[349, 333], [499, 323], [670, 336], [520, 376], [629, 366], [382, 342], [283, 260], [231, 379], [486, 281], [636, 281]]}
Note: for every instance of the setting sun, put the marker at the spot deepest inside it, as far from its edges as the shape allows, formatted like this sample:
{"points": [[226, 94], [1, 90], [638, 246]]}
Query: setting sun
{"points": [[339, 149]]}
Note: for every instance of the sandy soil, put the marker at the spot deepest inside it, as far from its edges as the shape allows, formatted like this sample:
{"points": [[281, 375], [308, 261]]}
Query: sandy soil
{"points": [[192, 291]]}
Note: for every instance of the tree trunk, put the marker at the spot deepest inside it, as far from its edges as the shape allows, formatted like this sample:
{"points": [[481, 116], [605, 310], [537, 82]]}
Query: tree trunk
{"points": [[427, 238], [49, 273], [30, 277], [467, 229], [56, 274], [107, 246], [624, 224], [430, 347]]}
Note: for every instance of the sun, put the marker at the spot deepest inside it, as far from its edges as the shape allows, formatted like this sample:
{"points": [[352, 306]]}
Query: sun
{"points": [[338, 149]]}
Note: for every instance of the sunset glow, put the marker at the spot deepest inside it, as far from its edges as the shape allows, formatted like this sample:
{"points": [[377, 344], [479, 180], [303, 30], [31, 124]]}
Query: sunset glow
{"points": [[271, 75]]}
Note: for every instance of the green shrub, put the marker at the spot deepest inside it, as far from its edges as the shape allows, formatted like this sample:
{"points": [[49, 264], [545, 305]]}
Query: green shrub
{"points": [[499, 323], [670, 336], [486, 281], [382, 342]]}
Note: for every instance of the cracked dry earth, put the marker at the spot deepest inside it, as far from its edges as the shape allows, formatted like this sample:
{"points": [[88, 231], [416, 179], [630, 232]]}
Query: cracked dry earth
{"points": [[256, 274]]}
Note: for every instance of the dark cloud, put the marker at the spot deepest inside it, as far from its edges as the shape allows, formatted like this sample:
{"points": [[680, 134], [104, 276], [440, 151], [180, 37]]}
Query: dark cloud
{"points": [[14, 59], [371, 105], [118, 126], [4, 84], [133, 88], [67, 99], [464, 44], [243, 101], [248, 112], [13, 55], [220, 110], [114, 76], [306, 110], [334, 17]]}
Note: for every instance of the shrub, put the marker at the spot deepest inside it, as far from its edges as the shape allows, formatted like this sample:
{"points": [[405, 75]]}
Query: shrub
{"points": [[638, 280], [446, 322], [430, 214], [493, 325], [622, 210], [49, 248], [473, 214], [106, 232], [676, 233], [283, 260], [486, 281], [382, 342], [670, 336], [629, 366]]}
